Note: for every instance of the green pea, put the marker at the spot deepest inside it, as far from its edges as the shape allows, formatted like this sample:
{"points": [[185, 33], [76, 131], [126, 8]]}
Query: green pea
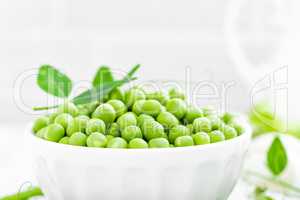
{"points": [[117, 142], [137, 107], [83, 110], [64, 119], [168, 120], [176, 93], [230, 132], [227, 117], [105, 112], [201, 138], [117, 94], [118, 106], [152, 129], [78, 139], [131, 132], [138, 143], [159, 143], [54, 132], [239, 128], [64, 140], [178, 131], [52, 117], [159, 96], [127, 119], [133, 95], [109, 137], [142, 118], [68, 107], [114, 130], [216, 136], [41, 133], [193, 113], [92, 106], [191, 128], [96, 140], [202, 124], [216, 123], [40, 123], [151, 107], [171, 146], [78, 124], [184, 141], [95, 125], [177, 107]]}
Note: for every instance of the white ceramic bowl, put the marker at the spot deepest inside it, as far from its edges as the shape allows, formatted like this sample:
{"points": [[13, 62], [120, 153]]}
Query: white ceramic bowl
{"points": [[207, 172]]}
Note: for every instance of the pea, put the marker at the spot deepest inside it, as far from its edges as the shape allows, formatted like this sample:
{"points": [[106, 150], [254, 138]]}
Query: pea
{"points": [[184, 141], [138, 143], [137, 107], [142, 118], [201, 138], [193, 113], [191, 128], [92, 106], [127, 119], [96, 140], [114, 130], [41, 133], [83, 110], [239, 128], [159, 143], [40, 123], [78, 124], [117, 94], [178, 131], [176, 93], [171, 146], [133, 95], [63, 119], [227, 117], [78, 139], [152, 129], [95, 125], [54, 132], [105, 112], [216, 123], [168, 120], [151, 107], [202, 124], [177, 107], [159, 96], [230, 132], [52, 117], [117, 142], [109, 137], [118, 106], [131, 132], [68, 107], [216, 136], [64, 140]]}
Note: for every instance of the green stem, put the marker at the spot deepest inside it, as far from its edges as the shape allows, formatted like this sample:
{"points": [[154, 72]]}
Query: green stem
{"points": [[277, 182], [32, 192], [44, 107]]}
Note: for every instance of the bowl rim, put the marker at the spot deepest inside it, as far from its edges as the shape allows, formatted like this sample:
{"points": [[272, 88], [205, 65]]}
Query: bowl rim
{"points": [[246, 136]]}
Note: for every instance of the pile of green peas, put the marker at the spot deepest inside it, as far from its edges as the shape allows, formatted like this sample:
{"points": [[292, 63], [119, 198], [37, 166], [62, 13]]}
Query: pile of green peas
{"points": [[137, 119]]}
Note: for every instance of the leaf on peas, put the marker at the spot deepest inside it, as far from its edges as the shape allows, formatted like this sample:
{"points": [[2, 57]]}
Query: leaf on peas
{"points": [[53, 81], [103, 75], [277, 157]]}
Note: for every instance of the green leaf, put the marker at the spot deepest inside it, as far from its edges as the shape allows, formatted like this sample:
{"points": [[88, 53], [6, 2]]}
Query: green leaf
{"points": [[53, 81], [277, 157], [102, 76]]}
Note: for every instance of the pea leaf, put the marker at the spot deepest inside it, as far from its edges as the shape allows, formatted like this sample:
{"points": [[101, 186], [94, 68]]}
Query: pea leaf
{"points": [[102, 76], [53, 81], [277, 157]]}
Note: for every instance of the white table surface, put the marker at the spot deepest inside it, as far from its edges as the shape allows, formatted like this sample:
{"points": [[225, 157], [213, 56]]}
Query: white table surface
{"points": [[15, 163]]}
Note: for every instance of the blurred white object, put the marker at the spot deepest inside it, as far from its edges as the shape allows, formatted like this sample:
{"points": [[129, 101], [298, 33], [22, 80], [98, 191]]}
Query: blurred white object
{"points": [[199, 172]]}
